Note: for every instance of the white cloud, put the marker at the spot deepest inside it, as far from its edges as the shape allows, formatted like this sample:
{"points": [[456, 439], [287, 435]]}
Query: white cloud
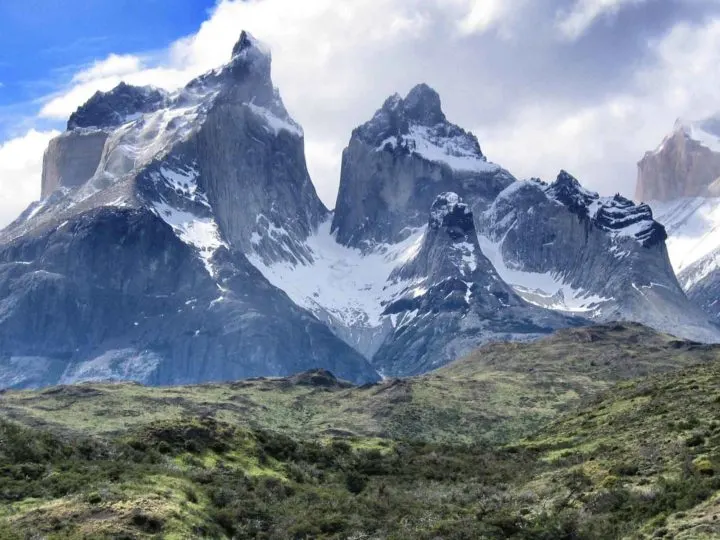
{"points": [[20, 169], [113, 65], [483, 15], [102, 77], [583, 14]]}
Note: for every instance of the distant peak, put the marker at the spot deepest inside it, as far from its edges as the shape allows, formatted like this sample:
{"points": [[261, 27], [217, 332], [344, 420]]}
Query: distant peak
{"points": [[680, 123], [564, 178], [392, 102]]}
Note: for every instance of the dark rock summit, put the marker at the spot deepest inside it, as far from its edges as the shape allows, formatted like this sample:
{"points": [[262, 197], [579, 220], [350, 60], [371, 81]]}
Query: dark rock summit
{"points": [[399, 161], [113, 108]]}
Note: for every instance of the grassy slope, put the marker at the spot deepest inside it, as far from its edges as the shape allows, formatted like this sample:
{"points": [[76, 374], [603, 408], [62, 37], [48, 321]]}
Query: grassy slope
{"points": [[643, 460], [496, 393]]}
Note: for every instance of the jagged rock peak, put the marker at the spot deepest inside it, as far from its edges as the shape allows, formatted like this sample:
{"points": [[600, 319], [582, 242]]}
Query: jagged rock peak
{"points": [[450, 213], [249, 48], [615, 214], [113, 108], [400, 121], [422, 105], [568, 190]]}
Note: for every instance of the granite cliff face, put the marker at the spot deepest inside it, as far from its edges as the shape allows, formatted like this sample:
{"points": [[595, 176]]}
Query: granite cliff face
{"points": [[685, 165], [133, 264], [398, 162], [72, 159]]}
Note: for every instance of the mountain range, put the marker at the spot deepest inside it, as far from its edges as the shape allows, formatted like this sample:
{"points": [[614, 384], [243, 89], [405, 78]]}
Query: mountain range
{"points": [[180, 239]]}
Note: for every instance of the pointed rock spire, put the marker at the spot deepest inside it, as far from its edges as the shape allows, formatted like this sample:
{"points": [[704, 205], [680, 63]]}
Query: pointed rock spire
{"points": [[422, 105], [247, 42]]}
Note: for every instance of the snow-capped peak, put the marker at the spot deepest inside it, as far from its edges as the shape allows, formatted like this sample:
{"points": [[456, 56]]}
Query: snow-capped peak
{"points": [[417, 125]]}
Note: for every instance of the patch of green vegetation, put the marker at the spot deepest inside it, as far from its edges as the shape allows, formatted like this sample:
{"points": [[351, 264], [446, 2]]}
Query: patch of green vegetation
{"points": [[548, 440], [499, 393]]}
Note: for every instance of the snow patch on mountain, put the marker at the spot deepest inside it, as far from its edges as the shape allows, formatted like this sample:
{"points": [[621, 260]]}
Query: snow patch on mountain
{"points": [[693, 227], [458, 151], [546, 289], [352, 285], [138, 142], [202, 233], [114, 365], [274, 123]]}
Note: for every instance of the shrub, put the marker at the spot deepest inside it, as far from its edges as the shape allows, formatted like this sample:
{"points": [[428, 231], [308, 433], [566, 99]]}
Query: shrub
{"points": [[355, 482]]}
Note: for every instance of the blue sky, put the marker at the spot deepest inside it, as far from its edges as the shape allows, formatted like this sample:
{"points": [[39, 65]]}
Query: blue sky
{"points": [[582, 85], [44, 42]]}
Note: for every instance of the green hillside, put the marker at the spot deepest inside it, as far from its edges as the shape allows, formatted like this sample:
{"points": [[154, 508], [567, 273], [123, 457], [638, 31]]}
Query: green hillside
{"points": [[552, 439]]}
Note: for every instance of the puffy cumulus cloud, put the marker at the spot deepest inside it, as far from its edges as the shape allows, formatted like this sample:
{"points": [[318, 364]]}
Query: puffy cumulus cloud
{"points": [[20, 169], [576, 20], [113, 65], [105, 75]]}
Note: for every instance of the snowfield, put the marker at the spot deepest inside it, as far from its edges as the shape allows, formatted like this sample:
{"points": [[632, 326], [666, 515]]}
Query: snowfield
{"points": [[351, 285]]}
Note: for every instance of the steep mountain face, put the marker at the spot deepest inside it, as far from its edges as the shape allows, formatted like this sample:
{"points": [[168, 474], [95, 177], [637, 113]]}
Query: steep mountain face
{"points": [[686, 164], [694, 244], [565, 248], [399, 161], [137, 270], [71, 159]]}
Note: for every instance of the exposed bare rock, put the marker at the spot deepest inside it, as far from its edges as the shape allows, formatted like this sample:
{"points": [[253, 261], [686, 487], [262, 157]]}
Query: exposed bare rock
{"points": [[684, 165], [71, 159]]}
